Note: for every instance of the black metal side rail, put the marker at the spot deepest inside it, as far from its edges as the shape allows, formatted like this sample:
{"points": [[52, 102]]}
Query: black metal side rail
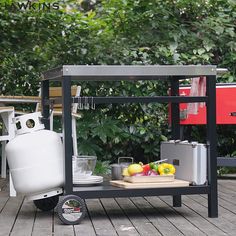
{"points": [[108, 191], [120, 100]]}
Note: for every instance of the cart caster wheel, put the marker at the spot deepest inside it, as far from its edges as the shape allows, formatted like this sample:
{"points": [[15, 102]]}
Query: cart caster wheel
{"points": [[47, 204], [71, 209]]}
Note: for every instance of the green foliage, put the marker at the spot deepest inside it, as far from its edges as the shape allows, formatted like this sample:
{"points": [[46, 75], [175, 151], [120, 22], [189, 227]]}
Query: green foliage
{"points": [[226, 171], [116, 32], [102, 168]]}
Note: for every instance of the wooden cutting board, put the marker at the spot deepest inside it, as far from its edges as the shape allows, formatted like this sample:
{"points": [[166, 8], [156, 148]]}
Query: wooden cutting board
{"points": [[149, 179], [175, 183]]}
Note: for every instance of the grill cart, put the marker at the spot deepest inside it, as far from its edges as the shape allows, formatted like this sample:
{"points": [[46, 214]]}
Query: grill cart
{"points": [[71, 208]]}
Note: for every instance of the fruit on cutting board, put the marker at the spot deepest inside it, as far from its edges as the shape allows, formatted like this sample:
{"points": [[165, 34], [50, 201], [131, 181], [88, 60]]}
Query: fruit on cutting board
{"points": [[135, 169], [125, 172], [150, 169], [166, 169], [146, 168]]}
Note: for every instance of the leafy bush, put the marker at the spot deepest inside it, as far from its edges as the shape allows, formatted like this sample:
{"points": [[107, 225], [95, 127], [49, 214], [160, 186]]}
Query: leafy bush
{"points": [[117, 32]]}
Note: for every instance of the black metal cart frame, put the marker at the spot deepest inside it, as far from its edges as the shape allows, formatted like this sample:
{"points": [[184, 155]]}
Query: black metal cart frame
{"points": [[174, 73]]}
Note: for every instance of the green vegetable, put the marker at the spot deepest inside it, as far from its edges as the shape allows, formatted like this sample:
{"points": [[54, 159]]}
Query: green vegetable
{"points": [[151, 164], [155, 167]]}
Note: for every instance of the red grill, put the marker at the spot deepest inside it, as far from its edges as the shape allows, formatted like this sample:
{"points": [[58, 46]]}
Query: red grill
{"points": [[225, 106]]}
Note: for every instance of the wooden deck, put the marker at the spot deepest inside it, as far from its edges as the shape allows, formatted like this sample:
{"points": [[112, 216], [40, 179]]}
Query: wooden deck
{"points": [[125, 217]]}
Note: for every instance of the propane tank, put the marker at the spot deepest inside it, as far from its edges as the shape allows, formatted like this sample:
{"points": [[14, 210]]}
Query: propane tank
{"points": [[35, 156]]}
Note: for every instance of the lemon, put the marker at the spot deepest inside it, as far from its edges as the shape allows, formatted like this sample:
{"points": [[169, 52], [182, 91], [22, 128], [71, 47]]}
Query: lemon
{"points": [[125, 172], [134, 169]]}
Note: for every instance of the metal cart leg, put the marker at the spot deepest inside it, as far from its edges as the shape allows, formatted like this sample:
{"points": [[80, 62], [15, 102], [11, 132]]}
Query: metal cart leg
{"points": [[67, 131], [177, 202], [45, 107], [211, 141], [175, 124]]}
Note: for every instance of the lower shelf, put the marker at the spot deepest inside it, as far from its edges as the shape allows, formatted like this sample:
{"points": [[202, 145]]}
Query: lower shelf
{"points": [[106, 190]]}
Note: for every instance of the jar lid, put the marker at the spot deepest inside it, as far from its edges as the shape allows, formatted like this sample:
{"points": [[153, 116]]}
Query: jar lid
{"points": [[115, 165]]}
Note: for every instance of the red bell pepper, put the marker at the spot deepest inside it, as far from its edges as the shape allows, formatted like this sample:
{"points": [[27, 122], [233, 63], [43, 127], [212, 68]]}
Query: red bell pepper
{"points": [[146, 168]]}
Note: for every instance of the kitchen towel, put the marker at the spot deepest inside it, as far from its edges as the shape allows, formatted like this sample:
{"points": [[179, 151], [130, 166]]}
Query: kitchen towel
{"points": [[198, 88]]}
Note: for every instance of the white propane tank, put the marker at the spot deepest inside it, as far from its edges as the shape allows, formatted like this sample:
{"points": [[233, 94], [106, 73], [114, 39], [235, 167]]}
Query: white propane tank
{"points": [[35, 156]]}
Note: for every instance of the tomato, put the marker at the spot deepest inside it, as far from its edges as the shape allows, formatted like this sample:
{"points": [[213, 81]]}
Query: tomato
{"points": [[146, 168]]}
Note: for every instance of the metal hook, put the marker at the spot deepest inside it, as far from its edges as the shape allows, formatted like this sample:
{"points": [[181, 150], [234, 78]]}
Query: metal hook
{"points": [[80, 105], [86, 103], [92, 104]]}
